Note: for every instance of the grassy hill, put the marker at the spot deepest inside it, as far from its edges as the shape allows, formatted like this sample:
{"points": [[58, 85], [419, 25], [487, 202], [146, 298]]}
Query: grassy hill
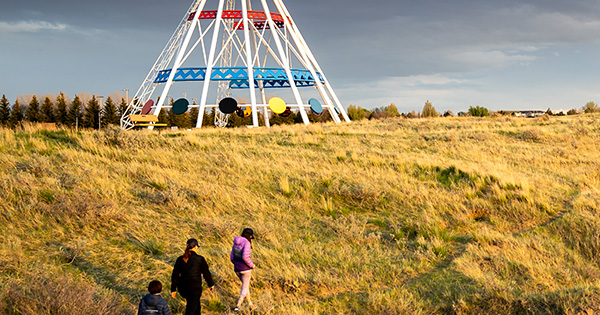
{"points": [[446, 215]]}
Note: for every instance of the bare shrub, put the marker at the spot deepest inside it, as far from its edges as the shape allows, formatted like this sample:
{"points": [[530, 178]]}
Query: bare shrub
{"points": [[531, 135], [59, 295]]}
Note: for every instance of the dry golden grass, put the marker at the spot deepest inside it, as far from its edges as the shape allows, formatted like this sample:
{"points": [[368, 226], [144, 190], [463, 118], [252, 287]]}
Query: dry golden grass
{"points": [[445, 215]]}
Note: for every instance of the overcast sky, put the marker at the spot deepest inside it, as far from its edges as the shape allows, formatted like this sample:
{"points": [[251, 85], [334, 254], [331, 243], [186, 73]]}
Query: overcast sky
{"points": [[499, 54]]}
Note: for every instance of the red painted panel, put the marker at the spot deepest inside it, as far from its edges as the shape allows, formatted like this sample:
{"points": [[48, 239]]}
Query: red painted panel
{"points": [[237, 14], [208, 15], [276, 17], [257, 15], [232, 14]]}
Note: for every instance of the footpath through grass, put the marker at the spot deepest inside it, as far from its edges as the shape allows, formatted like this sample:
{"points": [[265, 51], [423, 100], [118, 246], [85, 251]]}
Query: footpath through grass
{"points": [[445, 215]]}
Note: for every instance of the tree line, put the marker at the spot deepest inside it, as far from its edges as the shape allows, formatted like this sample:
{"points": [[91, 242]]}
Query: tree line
{"points": [[390, 111], [61, 111], [77, 113], [91, 114]]}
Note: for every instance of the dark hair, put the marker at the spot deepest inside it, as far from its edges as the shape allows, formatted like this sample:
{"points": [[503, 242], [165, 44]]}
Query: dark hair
{"points": [[154, 287], [248, 233], [191, 243]]}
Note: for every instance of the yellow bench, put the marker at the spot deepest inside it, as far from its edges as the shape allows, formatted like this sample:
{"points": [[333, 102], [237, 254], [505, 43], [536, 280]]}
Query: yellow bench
{"points": [[145, 120]]}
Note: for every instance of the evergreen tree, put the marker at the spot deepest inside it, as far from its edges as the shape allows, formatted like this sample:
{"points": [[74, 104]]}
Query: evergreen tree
{"points": [[61, 109], [278, 119], [181, 121], [208, 119], [91, 114], [32, 113], [4, 110], [193, 112], [110, 115], [16, 114], [74, 114], [163, 118], [235, 121], [429, 110], [47, 111], [122, 107]]}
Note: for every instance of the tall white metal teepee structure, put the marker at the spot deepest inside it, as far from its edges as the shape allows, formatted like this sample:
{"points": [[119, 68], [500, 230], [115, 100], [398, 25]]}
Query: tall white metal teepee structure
{"points": [[235, 51]]}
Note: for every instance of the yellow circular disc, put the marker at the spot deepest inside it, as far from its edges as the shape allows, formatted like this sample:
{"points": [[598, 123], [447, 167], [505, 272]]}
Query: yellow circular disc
{"points": [[248, 111], [277, 105]]}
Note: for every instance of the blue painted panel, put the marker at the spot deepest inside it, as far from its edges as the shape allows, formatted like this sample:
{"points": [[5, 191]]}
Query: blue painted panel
{"points": [[238, 76]]}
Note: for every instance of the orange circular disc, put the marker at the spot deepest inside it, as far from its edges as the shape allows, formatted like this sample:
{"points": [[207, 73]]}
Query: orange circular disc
{"points": [[248, 111]]}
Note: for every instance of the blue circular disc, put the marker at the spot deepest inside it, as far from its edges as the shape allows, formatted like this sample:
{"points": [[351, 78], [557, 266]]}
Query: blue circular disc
{"points": [[180, 106], [315, 106]]}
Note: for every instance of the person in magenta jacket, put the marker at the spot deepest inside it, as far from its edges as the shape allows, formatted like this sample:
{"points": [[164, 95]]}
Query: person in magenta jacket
{"points": [[242, 264]]}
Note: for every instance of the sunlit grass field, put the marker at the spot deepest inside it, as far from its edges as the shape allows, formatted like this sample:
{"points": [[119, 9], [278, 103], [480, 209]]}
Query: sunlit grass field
{"points": [[404, 216]]}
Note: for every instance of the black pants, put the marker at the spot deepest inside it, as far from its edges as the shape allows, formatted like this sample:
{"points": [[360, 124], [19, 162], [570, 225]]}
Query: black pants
{"points": [[192, 299]]}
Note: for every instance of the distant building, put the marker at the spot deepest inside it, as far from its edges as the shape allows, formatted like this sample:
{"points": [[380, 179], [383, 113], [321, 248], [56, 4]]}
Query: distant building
{"points": [[523, 113]]}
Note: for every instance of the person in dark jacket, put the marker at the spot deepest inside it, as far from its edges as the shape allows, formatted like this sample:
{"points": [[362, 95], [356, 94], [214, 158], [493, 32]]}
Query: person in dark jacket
{"points": [[187, 277], [153, 303], [240, 256]]}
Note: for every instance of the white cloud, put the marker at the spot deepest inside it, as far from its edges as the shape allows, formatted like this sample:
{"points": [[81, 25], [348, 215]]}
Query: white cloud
{"points": [[407, 92], [436, 79], [489, 59], [30, 27]]}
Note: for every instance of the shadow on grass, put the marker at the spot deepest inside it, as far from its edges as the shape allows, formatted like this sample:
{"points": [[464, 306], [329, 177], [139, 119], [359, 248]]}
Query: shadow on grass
{"points": [[566, 209], [110, 280], [440, 289]]}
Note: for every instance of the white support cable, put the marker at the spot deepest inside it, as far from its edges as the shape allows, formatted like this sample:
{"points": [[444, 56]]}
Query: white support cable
{"points": [[249, 64], [284, 35], [176, 65], [314, 61], [147, 88], [256, 60], [269, 50], [224, 57], [286, 65], [210, 64], [230, 41], [271, 43], [241, 51], [307, 64], [200, 40], [208, 28]]}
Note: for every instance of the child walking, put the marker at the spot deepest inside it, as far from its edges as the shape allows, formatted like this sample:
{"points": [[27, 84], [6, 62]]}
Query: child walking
{"points": [[153, 303], [243, 265]]}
